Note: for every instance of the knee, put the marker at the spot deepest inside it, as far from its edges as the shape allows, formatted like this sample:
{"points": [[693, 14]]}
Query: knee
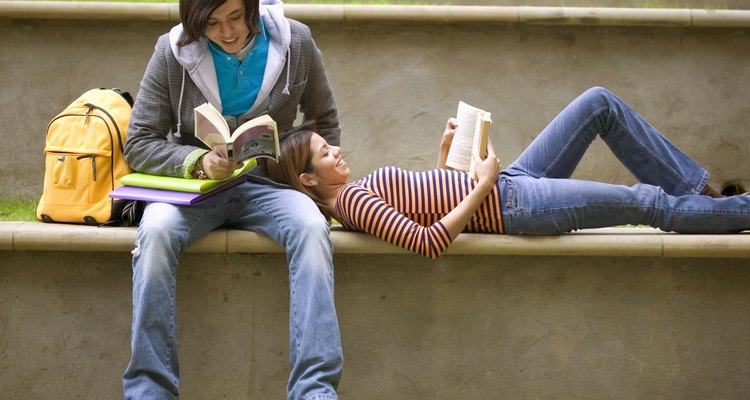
{"points": [[597, 95], [309, 227], [308, 242], [602, 103], [301, 218], [160, 224], [303, 231], [159, 241]]}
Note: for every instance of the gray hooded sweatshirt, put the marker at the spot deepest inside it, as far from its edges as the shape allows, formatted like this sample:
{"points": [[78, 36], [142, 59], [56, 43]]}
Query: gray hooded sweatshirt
{"points": [[179, 78]]}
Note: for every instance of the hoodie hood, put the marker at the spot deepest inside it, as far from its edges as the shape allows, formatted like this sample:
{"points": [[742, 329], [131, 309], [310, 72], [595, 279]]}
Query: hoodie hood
{"points": [[197, 61]]}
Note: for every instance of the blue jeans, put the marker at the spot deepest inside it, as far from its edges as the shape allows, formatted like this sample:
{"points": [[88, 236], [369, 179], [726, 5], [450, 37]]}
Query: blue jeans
{"points": [[539, 198], [285, 215]]}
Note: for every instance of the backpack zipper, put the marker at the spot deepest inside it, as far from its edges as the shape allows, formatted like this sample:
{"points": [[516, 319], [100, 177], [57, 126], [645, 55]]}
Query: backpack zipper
{"points": [[93, 162]]}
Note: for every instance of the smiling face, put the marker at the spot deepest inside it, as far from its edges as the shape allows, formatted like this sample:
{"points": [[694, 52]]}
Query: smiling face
{"points": [[328, 167], [227, 27]]}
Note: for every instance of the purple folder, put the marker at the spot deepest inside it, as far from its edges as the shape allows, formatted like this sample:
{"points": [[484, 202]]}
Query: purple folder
{"points": [[167, 196]]}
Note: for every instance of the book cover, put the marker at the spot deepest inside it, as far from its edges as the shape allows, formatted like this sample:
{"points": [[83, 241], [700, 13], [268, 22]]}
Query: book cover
{"points": [[184, 184], [168, 196]]}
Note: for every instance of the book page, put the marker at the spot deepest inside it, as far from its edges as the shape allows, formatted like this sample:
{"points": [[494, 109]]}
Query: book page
{"points": [[217, 144], [256, 138], [459, 154], [208, 121]]}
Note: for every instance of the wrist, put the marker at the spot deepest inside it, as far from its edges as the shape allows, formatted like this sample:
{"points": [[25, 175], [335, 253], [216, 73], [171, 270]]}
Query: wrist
{"points": [[485, 185], [198, 172]]}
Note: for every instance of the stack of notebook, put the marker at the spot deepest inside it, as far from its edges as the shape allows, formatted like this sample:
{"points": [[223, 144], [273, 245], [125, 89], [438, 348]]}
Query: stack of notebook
{"points": [[168, 189]]}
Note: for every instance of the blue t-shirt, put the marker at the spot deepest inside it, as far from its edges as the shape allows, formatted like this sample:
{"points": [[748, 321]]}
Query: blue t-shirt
{"points": [[240, 82]]}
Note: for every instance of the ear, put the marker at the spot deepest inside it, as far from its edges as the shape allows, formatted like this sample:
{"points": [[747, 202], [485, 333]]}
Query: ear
{"points": [[308, 180]]}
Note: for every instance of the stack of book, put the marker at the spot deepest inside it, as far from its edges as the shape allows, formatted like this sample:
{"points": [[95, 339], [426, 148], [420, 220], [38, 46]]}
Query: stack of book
{"points": [[169, 189]]}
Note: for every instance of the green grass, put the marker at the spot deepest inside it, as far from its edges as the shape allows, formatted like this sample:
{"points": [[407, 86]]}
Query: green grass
{"points": [[677, 5], [18, 210]]}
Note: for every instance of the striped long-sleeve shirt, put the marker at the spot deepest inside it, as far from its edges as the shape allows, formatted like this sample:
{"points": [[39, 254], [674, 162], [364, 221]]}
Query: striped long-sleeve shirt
{"points": [[404, 207]]}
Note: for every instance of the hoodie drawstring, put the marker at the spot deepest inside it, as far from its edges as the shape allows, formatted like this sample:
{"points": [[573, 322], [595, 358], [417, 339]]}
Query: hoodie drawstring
{"points": [[179, 106], [288, 70]]}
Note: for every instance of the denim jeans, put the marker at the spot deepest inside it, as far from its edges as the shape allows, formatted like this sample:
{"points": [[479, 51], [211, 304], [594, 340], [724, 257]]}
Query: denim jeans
{"points": [[539, 198], [285, 215]]}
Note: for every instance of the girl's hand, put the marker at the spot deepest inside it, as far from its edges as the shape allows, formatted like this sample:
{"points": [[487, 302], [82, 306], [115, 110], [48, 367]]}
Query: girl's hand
{"points": [[445, 143], [488, 169], [218, 167], [449, 132]]}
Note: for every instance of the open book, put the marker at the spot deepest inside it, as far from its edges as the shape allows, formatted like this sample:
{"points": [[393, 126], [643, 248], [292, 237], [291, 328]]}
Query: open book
{"points": [[472, 135], [255, 138]]}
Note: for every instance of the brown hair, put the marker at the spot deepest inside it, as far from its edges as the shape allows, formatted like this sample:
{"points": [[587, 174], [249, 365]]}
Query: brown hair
{"points": [[295, 158], [194, 15]]}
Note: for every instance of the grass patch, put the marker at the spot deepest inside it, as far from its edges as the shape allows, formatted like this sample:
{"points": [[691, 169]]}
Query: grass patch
{"points": [[18, 210], [677, 5]]}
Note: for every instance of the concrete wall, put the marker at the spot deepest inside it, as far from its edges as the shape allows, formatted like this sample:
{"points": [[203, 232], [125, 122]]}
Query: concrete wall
{"points": [[460, 327], [396, 84]]}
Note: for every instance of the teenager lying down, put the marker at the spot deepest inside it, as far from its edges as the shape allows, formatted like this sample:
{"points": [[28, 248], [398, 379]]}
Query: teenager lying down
{"points": [[423, 212]]}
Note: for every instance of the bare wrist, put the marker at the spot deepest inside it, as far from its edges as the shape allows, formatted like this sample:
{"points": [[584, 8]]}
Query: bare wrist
{"points": [[485, 185]]}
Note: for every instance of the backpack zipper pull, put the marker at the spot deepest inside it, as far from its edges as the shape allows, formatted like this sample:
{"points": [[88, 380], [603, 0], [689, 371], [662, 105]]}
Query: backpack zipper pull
{"points": [[93, 163], [88, 115]]}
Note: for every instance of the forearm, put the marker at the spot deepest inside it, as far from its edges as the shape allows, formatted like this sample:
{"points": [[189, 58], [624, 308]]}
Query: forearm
{"points": [[443, 155], [445, 143], [457, 219]]}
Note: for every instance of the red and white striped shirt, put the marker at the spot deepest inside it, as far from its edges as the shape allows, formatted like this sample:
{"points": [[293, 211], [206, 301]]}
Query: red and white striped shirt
{"points": [[404, 207]]}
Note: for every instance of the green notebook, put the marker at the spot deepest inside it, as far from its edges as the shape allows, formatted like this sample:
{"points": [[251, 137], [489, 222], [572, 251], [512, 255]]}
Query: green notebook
{"points": [[183, 184]]}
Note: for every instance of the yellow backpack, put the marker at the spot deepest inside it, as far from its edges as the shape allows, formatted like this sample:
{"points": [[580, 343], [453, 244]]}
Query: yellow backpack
{"points": [[84, 160]]}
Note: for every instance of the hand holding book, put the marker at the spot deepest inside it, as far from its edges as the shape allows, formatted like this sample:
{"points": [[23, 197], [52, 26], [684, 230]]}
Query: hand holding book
{"points": [[467, 134], [255, 138], [216, 166], [486, 169]]}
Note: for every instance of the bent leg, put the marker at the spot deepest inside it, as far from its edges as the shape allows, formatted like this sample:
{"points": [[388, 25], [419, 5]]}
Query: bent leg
{"points": [[294, 221], [648, 155], [552, 206], [163, 235]]}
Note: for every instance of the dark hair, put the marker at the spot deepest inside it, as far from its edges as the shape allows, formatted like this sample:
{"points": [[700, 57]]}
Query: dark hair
{"points": [[294, 159], [194, 15]]}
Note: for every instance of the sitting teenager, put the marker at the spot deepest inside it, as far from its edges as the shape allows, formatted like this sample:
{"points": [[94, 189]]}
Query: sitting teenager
{"points": [[247, 59], [425, 211]]}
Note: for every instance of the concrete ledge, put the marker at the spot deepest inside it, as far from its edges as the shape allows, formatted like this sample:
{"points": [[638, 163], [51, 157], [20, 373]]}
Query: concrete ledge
{"points": [[607, 242], [582, 16]]}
